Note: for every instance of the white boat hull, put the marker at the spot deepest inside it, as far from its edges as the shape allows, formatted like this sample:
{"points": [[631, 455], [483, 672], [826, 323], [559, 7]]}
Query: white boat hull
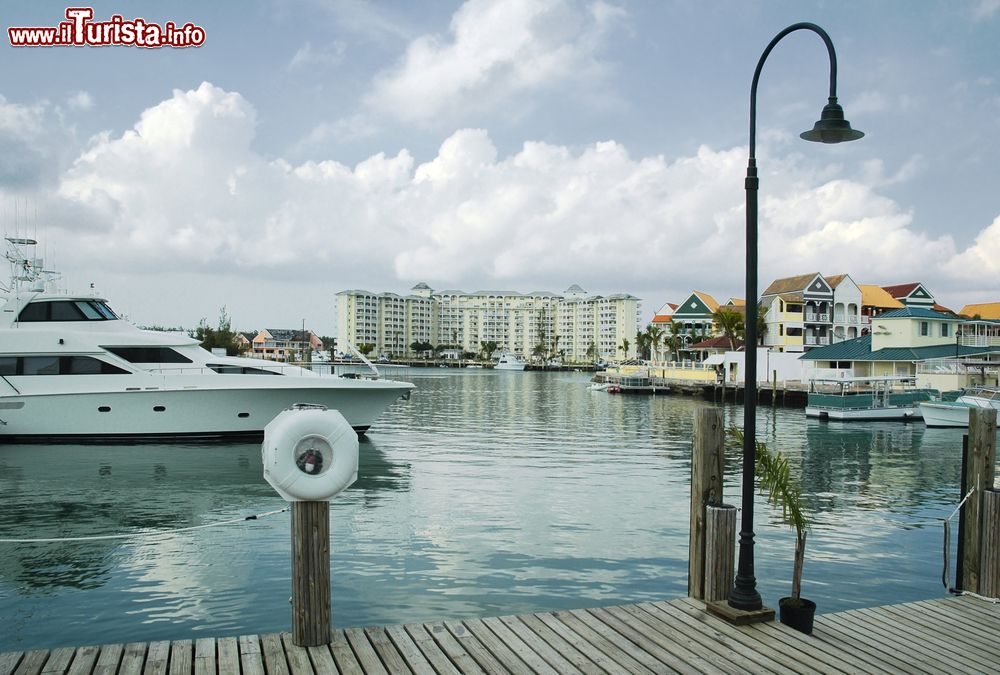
{"points": [[208, 407], [945, 414], [848, 414]]}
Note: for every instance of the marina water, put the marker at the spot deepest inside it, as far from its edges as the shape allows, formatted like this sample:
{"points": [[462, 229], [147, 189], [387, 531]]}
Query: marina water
{"points": [[487, 493]]}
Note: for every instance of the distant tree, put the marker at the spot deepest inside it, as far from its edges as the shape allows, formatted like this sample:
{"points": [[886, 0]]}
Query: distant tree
{"points": [[593, 352], [366, 348], [421, 347], [221, 337], [673, 340], [655, 333], [539, 351], [624, 347], [642, 344], [730, 322]]}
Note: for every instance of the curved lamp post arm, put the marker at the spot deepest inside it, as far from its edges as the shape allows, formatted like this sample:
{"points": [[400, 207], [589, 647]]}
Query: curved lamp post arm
{"points": [[832, 128], [760, 65]]}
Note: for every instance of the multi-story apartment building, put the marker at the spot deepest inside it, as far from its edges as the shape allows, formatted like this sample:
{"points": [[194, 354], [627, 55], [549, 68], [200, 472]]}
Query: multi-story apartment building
{"points": [[574, 325], [799, 313]]}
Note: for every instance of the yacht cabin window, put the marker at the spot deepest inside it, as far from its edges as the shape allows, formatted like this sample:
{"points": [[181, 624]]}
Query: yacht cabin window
{"points": [[57, 365], [149, 354], [66, 310], [226, 369]]}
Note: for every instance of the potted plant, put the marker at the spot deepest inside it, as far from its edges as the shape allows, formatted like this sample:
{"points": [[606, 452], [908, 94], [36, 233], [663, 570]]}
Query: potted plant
{"points": [[776, 482]]}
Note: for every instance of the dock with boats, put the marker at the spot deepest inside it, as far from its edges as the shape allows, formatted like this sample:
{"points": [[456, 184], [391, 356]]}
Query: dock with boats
{"points": [[955, 634]]}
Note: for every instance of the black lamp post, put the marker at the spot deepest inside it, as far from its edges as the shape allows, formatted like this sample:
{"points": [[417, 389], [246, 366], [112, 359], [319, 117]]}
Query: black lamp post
{"points": [[831, 128]]}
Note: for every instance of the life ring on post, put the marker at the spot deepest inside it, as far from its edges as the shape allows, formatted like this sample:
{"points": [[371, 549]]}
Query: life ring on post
{"points": [[310, 453]]}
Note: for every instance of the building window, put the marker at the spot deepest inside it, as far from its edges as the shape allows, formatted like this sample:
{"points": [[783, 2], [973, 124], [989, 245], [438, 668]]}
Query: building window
{"points": [[925, 328], [944, 330]]}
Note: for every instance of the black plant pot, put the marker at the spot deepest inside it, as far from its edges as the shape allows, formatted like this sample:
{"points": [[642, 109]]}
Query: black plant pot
{"points": [[797, 614]]}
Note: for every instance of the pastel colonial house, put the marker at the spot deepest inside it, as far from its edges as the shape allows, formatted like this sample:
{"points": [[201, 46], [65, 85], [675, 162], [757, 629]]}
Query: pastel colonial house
{"points": [[847, 301], [693, 318], [798, 313], [910, 342], [912, 295], [276, 344], [875, 301]]}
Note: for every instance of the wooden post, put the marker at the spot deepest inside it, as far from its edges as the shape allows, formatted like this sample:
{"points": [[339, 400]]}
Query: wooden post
{"points": [[979, 472], [310, 573], [774, 388], [989, 566], [707, 462], [720, 551]]}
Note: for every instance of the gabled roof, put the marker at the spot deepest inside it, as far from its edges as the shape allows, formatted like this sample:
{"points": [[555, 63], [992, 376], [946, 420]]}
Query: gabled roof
{"points": [[790, 284], [901, 290], [918, 313], [985, 310], [421, 287], [709, 301], [718, 342], [860, 349], [876, 296]]}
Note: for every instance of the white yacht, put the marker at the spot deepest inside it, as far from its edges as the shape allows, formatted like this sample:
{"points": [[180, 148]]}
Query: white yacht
{"points": [[509, 361], [72, 370], [956, 413]]}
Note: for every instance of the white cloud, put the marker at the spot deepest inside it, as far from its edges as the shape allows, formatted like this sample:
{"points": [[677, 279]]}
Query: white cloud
{"points": [[985, 9], [307, 55], [81, 100], [496, 50], [183, 193]]}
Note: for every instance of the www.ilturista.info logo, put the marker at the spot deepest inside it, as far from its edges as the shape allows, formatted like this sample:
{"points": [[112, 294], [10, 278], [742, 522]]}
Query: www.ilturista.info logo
{"points": [[80, 30]]}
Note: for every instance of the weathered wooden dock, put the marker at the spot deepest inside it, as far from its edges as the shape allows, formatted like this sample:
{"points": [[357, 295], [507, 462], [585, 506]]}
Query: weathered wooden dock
{"points": [[949, 635]]}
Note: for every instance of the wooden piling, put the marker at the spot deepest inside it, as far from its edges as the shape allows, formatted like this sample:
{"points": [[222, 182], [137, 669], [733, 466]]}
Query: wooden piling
{"points": [[310, 573], [720, 551], [989, 565], [707, 462], [979, 474]]}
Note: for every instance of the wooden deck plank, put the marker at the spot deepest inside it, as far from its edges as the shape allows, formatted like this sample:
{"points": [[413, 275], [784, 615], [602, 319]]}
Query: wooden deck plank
{"points": [[426, 659], [9, 661], [181, 657], [522, 624], [891, 632], [33, 662], [764, 643], [675, 629], [274, 654], [471, 644], [585, 639], [204, 656], [877, 644], [84, 660], [363, 650], [940, 636], [509, 656], [678, 656], [448, 645], [871, 652], [297, 656], [532, 649], [964, 624], [322, 659], [229, 656], [621, 643], [59, 660], [725, 635], [343, 655], [251, 659], [108, 660], [386, 650], [952, 634], [133, 658], [157, 657]]}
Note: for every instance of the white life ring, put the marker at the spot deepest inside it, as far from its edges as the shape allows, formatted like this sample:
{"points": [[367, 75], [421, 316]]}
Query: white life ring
{"points": [[309, 453]]}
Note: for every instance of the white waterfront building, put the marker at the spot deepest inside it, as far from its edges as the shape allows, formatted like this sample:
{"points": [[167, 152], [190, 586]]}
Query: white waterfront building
{"points": [[577, 326]]}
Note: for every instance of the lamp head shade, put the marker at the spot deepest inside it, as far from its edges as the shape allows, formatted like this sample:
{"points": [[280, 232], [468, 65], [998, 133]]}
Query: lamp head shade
{"points": [[832, 127]]}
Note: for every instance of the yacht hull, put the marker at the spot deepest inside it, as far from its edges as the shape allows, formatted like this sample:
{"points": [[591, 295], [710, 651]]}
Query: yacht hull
{"points": [[946, 414], [196, 412]]}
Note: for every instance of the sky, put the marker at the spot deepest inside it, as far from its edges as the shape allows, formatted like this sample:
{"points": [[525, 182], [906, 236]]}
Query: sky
{"points": [[315, 146]]}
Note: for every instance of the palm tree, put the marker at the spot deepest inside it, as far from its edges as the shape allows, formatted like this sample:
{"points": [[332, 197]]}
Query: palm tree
{"points": [[642, 343], [655, 337], [592, 351], [624, 346], [673, 341], [730, 322]]}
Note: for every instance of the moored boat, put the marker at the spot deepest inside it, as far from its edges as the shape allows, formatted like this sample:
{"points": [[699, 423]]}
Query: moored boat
{"points": [[956, 413], [867, 398], [72, 370], [509, 361]]}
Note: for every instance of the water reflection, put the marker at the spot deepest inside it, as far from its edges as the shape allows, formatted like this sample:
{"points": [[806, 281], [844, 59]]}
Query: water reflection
{"points": [[485, 493]]}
